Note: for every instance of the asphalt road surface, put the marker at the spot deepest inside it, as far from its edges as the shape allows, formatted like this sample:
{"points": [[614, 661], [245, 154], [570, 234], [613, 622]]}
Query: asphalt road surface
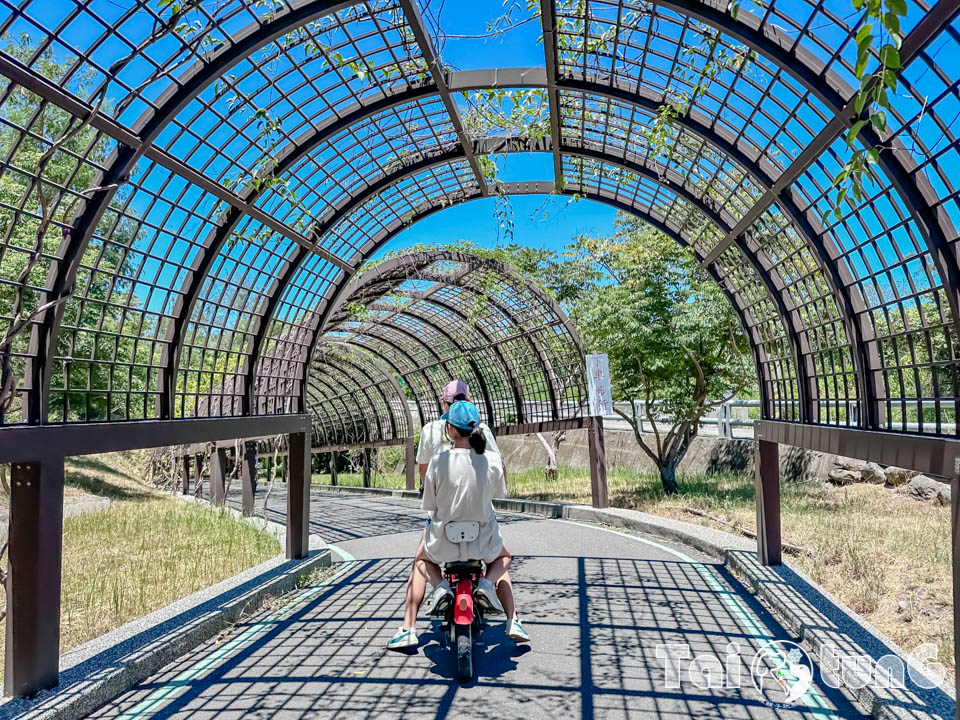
{"points": [[597, 603]]}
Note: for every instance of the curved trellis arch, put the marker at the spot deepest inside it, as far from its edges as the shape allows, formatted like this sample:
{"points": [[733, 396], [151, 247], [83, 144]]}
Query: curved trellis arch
{"points": [[765, 270], [766, 382], [486, 324], [206, 198], [803, 277]]}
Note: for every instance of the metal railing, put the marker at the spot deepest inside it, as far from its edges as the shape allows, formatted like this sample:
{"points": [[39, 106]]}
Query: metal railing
{"points": [[723, 418]]}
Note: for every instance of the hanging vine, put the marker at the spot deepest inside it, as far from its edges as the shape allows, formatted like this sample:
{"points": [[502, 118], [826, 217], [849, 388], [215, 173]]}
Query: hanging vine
{"points": [[872, 100]]}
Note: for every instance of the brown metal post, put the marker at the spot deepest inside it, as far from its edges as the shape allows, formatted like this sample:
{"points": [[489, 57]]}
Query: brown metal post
{"points": [[955, 525], [248, 476], [333, 468], [33, 582], [768, 502], [185, 488], [199, 457], [218, 476], [366, 467], [410, 463], [598, 464], [298, 496]]}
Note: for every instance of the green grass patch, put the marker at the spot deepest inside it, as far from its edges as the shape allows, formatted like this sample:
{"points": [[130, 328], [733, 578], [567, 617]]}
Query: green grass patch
{"points": [[147, 550]]}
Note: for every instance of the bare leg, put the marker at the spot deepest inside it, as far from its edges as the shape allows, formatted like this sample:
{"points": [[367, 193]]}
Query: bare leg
{"points": [[498, 568], [429, 569], [497, 573], [505, 593], [416, 588]]}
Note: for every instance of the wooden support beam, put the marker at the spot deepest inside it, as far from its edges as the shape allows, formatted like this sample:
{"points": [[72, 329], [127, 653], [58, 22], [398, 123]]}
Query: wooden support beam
{"points": [[955, 526], [199, 456], [298, 496], [333, 468], [410, 464], [218, 476], [185, 487], [248, 476], [598, 464], [367, 459], [32, 657], [768, 502]]}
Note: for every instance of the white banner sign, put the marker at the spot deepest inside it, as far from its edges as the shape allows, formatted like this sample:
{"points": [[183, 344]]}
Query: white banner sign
{"points": [[598, 385]]}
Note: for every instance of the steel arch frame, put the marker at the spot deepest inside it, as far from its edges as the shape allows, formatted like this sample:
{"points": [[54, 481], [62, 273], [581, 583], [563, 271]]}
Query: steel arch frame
{"points": [[804, 383], [765, 383], [390, 274], [757, 35]]}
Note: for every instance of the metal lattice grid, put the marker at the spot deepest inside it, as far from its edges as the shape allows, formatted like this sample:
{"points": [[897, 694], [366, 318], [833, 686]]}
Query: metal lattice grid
{"points": [[425, 318], [230, 182]]}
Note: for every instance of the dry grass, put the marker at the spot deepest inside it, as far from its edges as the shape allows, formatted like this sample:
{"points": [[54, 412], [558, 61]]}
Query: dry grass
{"points": [[147, 551], [885, 555]]}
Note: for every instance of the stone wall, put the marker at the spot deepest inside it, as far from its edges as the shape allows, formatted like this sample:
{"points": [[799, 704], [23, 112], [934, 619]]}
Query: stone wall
{"points": [[706, 455]]}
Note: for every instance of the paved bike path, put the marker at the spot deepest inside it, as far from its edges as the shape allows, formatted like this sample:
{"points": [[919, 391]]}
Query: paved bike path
{"points": [[596, 603]]}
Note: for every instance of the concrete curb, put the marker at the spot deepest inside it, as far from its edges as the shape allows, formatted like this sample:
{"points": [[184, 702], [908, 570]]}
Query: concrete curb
{"points": [[98, 671], [358, 490], [73, 508], [810, 613], [86, 505]]}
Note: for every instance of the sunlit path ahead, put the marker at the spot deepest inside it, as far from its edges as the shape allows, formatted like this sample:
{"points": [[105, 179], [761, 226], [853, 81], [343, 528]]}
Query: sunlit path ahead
{"points": [[596, 603]]}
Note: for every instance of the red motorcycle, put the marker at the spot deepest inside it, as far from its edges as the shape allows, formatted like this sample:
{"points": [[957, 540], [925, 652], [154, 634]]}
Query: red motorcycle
{"points": [[463, 619]]}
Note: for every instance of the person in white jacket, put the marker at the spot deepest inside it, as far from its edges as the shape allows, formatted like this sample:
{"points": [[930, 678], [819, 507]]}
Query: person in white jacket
{"points": [[433, 440], [460, 485]]}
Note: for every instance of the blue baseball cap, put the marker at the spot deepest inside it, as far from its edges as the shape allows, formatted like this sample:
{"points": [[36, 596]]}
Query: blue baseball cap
{"points": [[463, 415]]}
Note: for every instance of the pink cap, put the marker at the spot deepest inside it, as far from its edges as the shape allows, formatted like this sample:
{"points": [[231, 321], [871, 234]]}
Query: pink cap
{"points": [[454, 388]]}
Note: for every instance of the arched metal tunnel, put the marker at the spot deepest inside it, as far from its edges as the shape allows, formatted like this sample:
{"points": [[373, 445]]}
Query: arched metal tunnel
{"points": [[401, 330], [189, 191]]}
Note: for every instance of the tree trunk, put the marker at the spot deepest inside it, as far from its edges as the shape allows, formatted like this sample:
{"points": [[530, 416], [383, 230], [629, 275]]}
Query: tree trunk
{"points": [[668, 477], [550, 468]]}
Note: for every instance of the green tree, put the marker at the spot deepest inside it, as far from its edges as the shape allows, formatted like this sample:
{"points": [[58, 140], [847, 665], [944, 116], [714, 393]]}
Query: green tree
{"points": [[673, 340], [42, 189]]}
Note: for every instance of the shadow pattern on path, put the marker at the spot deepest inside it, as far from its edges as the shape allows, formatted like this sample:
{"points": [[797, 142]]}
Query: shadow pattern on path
{"points": [[595, 623]]}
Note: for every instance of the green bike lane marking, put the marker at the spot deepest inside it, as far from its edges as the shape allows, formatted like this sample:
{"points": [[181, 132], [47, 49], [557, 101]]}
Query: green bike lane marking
{"points": [[169, 690], [811, 698]]}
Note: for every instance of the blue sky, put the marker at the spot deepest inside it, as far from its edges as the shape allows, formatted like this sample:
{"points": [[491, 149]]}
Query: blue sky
{"points": [[474, 222], [539, 221]]}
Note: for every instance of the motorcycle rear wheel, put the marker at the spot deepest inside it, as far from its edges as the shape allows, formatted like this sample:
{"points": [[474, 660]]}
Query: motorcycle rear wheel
{"points": [[464, 652]]}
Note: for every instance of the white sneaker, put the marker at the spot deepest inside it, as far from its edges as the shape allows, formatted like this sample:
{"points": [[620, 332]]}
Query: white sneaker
{"points": [[440, 599], [516, 631], [404, 638], [486, 595]]}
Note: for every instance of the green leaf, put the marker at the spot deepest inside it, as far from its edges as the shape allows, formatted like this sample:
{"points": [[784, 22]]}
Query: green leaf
{"points": [[879, 120], [890, 79], [898, 7], [859, 102], [855, 131], [890, 57]]}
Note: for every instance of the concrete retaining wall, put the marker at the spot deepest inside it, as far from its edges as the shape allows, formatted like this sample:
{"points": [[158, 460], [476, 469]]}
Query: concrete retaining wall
{"points": [[706, 455]]}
